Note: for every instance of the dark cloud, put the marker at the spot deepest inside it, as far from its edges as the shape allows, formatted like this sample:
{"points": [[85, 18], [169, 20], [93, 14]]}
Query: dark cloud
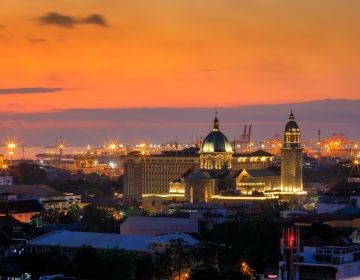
{"points": [[68, 21], [37, 40], [58, 19], [95, 19], [2, 26], [157, 125], [31, 90]]}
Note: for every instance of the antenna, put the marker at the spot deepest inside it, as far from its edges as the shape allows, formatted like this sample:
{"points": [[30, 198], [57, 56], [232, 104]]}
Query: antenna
{"points": [[290, 250]]}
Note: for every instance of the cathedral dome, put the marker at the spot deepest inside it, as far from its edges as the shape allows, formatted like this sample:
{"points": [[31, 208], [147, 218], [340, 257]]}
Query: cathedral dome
{"points": [[291, 125], [216, 141]]}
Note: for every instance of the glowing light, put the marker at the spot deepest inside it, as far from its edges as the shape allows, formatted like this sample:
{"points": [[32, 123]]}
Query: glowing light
{"points": [[220, 197], [112, 164], [11, 145], [163, 195]]}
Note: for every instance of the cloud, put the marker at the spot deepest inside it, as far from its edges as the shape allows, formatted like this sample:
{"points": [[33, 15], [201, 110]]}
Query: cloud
{"points": [[95, 19], [67, 21], [158, 125], [58, 19], [2, 26], [30, 90]]}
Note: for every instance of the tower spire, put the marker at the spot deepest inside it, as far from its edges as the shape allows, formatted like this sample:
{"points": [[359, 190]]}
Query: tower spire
{"points": [[216, 123], [291, 116]]}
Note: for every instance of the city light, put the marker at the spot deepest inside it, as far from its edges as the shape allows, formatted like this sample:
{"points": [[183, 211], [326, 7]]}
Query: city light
{"points": [[246, 269], [112, 164], [11, 145]]}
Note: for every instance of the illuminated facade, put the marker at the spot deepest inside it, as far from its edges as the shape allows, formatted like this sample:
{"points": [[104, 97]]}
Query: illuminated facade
{"points": [[152, 174], [214, 172], [291, 158], [146, 175], [216, 151]]}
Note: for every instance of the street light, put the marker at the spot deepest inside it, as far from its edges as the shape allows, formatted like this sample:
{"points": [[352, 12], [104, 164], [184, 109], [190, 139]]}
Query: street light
{"points": [[11, 147]]}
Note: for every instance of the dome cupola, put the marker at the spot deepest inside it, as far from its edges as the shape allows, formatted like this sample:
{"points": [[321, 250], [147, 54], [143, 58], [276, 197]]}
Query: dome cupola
{"points": [[216, 151], [216, 141]]}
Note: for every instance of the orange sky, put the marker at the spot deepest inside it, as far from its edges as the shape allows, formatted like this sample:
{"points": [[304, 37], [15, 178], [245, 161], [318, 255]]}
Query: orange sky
{"points": [[179, 53]]}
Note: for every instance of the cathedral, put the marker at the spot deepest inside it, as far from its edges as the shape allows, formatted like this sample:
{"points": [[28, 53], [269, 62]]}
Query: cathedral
{"points": [[214, 172], [218, 180]]}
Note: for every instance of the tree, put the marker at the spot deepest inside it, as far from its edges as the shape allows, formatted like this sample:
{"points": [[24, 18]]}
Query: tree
{"points": [[85, 262], [116, 264], [174, 262], [254, 239], [145, 267], [29, 174], [100, 219]]}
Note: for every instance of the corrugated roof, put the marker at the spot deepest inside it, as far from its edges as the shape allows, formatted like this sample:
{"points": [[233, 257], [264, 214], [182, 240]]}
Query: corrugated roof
{"points": [[158, 225], [30, 191], [136, 243]]}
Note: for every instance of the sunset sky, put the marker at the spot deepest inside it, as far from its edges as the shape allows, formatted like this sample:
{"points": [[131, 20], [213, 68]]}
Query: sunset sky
{"points": [[67, 54], [177, 53]]}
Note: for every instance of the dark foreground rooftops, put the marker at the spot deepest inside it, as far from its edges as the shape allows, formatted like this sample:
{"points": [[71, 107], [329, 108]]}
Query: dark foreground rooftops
{"points": [[20, 206]]}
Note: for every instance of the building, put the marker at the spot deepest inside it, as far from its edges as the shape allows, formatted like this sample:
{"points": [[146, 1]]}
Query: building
{"points": [[158, 225], [21, 210], [221, 180], [61, 201], [291, 158], [70, 241], [214, 173], [47, 196], [344, 218], [6, 180], [318, 259], [345, 194], [330, 261], [216, 151], [152, 174]]}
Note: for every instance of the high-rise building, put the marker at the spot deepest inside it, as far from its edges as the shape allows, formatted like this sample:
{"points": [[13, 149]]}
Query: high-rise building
{"points": [[291, 158]]}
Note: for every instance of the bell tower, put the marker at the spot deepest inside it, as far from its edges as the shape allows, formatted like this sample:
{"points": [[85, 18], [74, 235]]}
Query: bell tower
{"points": [[291, 158]]}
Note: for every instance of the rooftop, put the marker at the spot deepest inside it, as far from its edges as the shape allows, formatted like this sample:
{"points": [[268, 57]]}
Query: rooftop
{"points": [[158, 225], [135, 243], [30, 191], [262, 173], [20, 206]]}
